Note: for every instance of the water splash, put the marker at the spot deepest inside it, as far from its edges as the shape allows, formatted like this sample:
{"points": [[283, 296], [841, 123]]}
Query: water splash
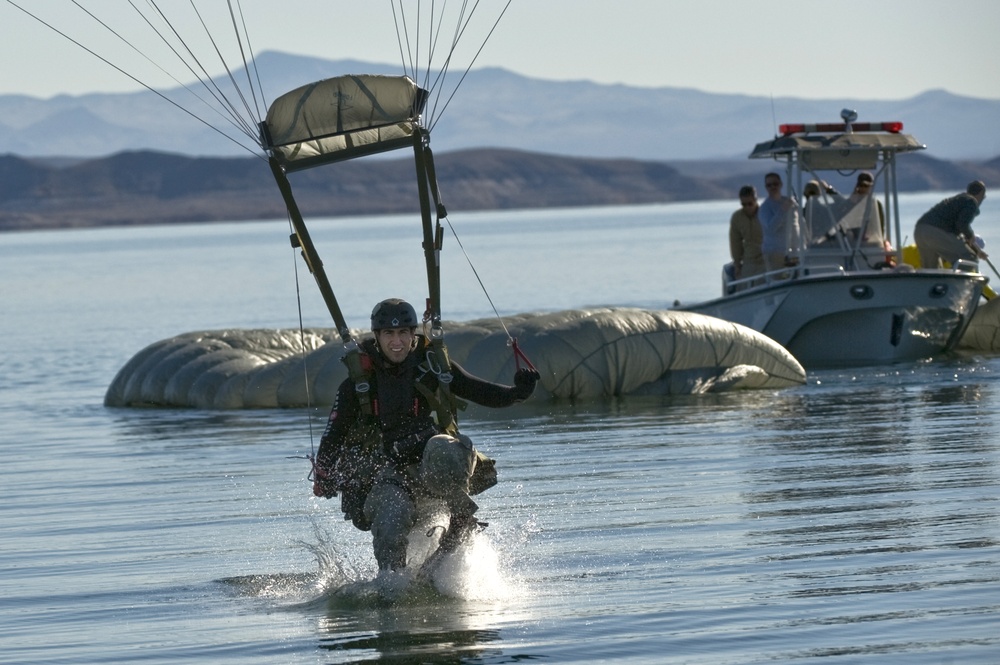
{"points": [[346, 578], [471, 572]]}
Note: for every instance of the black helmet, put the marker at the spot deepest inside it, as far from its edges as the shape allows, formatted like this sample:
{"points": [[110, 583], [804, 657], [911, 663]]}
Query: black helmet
{"points": [[393, 313]]}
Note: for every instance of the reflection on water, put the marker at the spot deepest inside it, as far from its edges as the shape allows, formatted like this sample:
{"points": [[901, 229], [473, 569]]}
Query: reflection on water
{"points": [[429, 634]]}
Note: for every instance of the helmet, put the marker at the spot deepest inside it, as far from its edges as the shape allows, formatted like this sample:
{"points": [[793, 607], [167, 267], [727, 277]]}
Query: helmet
{"points": [[393, 313]]}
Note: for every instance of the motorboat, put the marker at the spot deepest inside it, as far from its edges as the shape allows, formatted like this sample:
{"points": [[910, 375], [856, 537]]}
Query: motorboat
{"points": [[845, 296]]}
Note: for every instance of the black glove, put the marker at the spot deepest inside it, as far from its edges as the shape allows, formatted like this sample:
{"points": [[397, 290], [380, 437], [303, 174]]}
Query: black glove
{"points": [[524, 382], [409, 449], [324, 483]]}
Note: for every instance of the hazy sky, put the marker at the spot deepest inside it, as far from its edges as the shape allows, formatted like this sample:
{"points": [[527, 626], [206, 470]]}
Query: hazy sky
{"points": [[881, 49]]}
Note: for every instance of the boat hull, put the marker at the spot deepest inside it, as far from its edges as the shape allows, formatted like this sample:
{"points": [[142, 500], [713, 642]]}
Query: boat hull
{"points": [[858, 318]]}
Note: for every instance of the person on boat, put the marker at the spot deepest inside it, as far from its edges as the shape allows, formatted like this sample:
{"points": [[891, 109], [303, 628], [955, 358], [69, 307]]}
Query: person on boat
{"points": [[745, 237], [779, 223], [944, 233], [393, 463], [819, 215], [862, 190]]}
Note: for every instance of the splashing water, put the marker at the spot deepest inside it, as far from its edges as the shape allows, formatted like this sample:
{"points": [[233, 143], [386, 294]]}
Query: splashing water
{"points": [[345, 576], [472, 572]]}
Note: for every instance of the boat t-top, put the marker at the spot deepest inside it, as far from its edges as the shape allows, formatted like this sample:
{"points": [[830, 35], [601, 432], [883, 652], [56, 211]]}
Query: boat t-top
{"points": [[845, 296]]}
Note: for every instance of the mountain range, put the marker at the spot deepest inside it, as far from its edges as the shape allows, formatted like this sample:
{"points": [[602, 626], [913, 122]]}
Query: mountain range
{"points": [[496, 108], [505, 141], [145, 187]]}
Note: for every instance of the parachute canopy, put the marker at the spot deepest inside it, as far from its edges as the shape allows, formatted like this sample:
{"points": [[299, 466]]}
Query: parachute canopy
{"points": [[342, 118]]}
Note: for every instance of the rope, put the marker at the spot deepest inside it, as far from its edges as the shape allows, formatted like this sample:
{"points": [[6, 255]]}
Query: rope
{"points": [[437, 115], [234, 119], [519, 355], [417, 30], [302, 350], [410, 47]]}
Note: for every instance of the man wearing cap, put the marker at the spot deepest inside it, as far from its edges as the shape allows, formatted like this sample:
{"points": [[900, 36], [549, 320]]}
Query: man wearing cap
{"points": [[862, 190], [944, 233]]}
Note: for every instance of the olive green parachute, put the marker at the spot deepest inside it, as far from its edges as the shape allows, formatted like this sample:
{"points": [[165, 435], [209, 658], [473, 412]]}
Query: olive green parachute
{"points": [[581, 354]]}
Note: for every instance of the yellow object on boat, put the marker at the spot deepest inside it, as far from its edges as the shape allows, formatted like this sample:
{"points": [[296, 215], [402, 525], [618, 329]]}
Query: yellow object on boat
{"points": [[911, 256]]}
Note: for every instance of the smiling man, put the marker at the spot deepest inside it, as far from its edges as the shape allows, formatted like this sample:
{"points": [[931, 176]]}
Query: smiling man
{"points": [[391, 448]]}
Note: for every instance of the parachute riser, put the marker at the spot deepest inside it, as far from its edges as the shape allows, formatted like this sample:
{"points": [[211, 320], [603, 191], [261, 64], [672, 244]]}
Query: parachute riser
{"points": [[430, 216], [303, 241], [433, 232]]}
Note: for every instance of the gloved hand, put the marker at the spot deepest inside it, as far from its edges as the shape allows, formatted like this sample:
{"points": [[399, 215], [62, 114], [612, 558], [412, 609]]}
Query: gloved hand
{"points": [[524, 382], [409, 449], [324, 482]]}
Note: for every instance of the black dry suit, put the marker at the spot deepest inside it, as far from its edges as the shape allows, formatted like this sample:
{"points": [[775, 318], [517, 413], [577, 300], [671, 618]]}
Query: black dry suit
{"points": [[391, 422]]}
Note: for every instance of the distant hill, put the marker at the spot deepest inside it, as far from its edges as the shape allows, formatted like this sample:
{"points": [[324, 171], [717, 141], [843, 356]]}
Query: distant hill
{"points": [[496, 108], [144, 187]]}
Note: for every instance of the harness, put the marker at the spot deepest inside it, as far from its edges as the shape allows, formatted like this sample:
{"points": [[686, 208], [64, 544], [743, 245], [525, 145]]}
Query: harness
{"points": [[367, 448], [435, 363]]}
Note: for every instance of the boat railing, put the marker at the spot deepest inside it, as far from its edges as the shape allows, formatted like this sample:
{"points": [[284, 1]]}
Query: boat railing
{"points": [[825, 259], [730, 285], [868, 256]]}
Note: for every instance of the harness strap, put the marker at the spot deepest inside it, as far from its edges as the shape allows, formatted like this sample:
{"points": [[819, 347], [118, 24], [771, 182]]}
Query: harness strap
{"points": [[356, 363], [445, 411]]}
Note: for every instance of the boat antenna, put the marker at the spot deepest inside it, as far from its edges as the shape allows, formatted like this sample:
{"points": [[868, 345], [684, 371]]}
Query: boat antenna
{"points": [[774, 117]]}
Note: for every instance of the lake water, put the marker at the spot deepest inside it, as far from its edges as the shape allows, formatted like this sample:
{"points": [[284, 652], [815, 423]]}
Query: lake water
{"points": [[855, 519]]}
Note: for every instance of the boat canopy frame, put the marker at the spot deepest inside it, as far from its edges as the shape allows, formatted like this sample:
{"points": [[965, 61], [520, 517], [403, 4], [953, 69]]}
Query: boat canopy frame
{"points": [[845, 148]]}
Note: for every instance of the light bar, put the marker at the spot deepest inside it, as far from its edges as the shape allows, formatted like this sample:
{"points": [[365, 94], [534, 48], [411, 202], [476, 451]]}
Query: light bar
{"points": [[894, 127]]}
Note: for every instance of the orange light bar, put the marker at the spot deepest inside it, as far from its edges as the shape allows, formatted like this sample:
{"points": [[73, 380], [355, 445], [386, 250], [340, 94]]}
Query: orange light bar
{"points": [[893, 127]]}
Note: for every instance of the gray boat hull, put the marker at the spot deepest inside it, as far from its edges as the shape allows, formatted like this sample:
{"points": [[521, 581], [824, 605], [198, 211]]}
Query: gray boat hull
{"points": [[863, 318]]}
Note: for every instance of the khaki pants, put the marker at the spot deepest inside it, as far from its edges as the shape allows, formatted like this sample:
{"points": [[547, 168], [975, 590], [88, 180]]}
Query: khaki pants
{"points": [[936, 245]]}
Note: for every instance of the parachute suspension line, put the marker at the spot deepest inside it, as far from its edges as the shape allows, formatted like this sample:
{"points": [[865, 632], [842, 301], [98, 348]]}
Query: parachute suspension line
{"points": [[400, 38], [133, 78], [478, 279], [434, 35], [436, 115], [519, 356], [232, 79], [233, 118], [460, 25], [253, 61], [204, 77], [410, 52], [302, 345]]}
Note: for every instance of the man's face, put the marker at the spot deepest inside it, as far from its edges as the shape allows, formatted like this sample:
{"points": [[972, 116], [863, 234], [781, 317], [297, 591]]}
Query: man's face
{"points": [[773, 186], [395, 343]]}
